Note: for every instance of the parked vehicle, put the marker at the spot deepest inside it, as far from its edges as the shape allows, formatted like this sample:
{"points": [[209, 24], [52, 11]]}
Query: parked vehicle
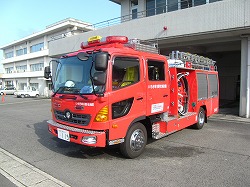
{"points": [[116, 91], [29, 92], [8, 90]]}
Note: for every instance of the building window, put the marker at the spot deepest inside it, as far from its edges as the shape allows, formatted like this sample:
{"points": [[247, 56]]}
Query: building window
{"points": [[21, 69], [37, 67], [150, 7], [211, 1], [34, 85], [199, 2], [154, 7], [21, 51], [186, 4], [172, 5], [134, 13], [134, 5], [37, 47], [9, 54], [9, 70], [8, 83], [160, 6], [22, 86]]}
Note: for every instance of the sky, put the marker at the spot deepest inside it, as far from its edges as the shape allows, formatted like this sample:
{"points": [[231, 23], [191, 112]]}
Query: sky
{"points": [[21, 18]]}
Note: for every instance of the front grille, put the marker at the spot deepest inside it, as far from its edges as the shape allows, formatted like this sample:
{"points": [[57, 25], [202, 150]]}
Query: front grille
{"points": [[79, 119]]}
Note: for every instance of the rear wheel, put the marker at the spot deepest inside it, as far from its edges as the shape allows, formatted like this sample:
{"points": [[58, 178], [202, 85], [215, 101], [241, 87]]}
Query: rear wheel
{"points": [[135, 141], [22, 96], [201, 119]]}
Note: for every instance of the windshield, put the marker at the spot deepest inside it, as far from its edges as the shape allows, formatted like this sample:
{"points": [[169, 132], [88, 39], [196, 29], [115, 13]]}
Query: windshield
{"points": [[73, 77]]}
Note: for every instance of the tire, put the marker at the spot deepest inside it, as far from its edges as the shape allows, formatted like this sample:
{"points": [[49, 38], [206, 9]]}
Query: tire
{"points": [[37, 95], [22, 96], [135, 141], [201, 119], [1, 93]]}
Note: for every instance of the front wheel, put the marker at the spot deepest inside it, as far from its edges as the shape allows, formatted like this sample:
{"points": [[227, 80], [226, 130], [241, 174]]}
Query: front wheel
{"points": [[135, 141], [201, 119]]}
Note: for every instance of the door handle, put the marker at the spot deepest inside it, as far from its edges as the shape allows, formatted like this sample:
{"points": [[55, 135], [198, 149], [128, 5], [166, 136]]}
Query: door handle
{"points": [[165, 95], [139, 98]]}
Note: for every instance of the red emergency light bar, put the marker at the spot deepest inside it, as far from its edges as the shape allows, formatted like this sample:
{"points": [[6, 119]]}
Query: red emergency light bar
{"points": [[98, 40]]}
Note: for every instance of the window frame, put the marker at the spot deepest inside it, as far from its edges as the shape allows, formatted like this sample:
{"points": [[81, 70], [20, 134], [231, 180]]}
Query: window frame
{"points": [[117, 85], [37, 47], [161, 70]]}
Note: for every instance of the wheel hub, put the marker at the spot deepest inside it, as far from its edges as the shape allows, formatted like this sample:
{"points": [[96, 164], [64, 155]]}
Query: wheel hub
{"points": [[201, 118], [137, 140]]}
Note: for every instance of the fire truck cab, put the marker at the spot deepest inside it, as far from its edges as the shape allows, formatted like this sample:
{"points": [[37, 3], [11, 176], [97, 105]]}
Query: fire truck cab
{"points": [[116, 91]]}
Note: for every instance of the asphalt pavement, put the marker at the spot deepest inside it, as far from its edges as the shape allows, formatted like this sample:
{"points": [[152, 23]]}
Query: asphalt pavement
{"points": [[6, 182]]}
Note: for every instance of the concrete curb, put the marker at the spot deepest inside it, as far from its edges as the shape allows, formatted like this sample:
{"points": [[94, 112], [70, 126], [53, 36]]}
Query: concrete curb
{"points": [[23, 174]]}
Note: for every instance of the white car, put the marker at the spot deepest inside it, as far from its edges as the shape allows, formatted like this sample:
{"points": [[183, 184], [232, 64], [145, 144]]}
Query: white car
{"points": [[8, 91], [29, 92]]}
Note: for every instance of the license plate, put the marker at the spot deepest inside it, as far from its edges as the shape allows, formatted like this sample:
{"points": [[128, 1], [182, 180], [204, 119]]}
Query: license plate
{"points": [[63, 134]]}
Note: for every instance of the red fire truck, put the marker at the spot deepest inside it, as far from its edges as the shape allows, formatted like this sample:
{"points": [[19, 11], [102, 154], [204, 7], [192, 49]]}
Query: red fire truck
{"points": [[120, 91]]}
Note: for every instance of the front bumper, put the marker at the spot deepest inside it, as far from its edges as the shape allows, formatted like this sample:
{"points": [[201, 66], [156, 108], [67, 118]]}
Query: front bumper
{"points": [[77, 135]]}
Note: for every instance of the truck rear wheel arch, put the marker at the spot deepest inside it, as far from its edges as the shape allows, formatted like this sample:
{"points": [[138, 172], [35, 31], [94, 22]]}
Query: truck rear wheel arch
{"points": [[146, 122], [205, 109], [201, 118]]}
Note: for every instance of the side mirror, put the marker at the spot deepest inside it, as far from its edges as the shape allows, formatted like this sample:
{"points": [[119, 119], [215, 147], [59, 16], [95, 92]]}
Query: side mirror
{"points": [[99, 78], [47, 72], [101, 61]]}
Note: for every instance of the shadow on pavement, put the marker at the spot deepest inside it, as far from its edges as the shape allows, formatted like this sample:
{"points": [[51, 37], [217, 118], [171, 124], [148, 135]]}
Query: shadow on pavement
{"points": [[71, 149]]}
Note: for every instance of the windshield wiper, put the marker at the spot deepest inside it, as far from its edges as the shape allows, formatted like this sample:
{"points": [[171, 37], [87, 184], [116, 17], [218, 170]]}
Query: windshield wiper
{"points": [[59, 89], [63, 87], [84, 97]]}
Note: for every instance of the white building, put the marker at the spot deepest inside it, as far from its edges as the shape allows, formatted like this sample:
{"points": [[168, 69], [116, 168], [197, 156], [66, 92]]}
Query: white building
{"points": [[25, 59]]}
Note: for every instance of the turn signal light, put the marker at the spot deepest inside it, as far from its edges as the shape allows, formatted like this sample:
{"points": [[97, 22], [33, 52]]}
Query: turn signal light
{"points": [[102, 115]]}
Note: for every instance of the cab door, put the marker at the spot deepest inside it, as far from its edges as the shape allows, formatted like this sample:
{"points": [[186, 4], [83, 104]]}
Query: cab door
{"points": [[127, 98], [157, 86]]}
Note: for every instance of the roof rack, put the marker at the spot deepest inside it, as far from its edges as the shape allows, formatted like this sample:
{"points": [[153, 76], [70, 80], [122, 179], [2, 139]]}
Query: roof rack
{"points": [[140, 45], [188, 60]]}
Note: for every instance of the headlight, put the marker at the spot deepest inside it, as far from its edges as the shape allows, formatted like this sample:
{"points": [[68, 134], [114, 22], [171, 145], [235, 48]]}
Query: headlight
{"points": [[89, 139]]}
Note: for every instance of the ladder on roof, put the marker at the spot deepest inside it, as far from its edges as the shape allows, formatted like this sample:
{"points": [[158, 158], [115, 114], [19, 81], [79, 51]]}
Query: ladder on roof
{"points": [[140, 45], [188, 60]]}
